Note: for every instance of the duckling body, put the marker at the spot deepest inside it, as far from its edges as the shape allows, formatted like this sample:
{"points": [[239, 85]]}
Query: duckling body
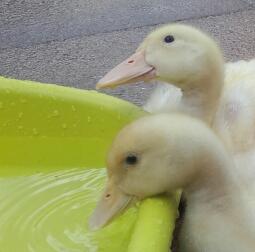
{"points": [[226, 230], [183, 153], [235, 116]]}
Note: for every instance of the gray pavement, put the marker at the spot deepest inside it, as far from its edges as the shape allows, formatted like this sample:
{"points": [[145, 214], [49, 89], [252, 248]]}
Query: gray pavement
{"points": [[74, 42]]}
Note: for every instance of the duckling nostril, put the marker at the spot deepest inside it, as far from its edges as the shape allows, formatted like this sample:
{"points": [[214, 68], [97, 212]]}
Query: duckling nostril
{"points": [[130, 61], [107, 195]]}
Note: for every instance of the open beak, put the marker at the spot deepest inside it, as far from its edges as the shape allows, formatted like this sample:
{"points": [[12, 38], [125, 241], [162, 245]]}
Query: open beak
{"points": [[131, 70], [112, 202]]}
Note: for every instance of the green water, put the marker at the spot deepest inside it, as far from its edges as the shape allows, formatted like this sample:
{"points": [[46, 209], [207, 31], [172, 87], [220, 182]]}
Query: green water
{"points": [[49, 211]]}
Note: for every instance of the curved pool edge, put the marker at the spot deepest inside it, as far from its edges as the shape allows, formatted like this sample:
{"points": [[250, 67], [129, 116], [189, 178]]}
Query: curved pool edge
{"points": [[150, 234]]}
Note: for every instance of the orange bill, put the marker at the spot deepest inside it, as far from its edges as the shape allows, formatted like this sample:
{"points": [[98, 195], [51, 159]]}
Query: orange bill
{"points": [[131, 70], [112, 202]]}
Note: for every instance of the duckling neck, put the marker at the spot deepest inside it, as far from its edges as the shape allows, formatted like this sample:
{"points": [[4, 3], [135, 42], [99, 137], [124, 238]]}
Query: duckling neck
{"points": [[201, 97], [215, 183]]}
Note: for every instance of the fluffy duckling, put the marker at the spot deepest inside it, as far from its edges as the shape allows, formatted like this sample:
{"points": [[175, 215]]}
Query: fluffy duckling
{"points": [[180, 55], [159, 154], [192, 68]]}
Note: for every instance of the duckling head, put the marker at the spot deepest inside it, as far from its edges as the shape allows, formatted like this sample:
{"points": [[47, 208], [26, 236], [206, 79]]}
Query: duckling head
{"points": [[153, 155], [176, 54]]}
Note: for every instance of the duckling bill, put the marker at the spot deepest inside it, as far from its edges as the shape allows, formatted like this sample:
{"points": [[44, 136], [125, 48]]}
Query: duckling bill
{"points": [[131, 70], [113, 201]]}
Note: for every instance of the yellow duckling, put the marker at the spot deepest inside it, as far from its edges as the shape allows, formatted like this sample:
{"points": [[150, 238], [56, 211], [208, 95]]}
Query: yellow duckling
{"points": [[180, 55], [164, 152], [221, 95]]}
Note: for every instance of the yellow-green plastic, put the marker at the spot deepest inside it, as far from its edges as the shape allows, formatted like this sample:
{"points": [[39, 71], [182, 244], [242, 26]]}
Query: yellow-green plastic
{"points": [[44, 126]]}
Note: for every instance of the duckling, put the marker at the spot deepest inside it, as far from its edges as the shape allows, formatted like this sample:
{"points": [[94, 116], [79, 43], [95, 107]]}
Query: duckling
{"points": [[164, 152], [182, 56], [193, 79]]}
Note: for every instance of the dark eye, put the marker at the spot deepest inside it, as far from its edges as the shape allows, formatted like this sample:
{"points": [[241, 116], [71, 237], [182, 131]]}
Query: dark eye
{"points": [[169, 39], [131, 159]]}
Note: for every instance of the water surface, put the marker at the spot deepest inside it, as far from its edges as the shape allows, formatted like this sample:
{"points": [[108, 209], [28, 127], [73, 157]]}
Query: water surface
{"points": [[48, 212]]}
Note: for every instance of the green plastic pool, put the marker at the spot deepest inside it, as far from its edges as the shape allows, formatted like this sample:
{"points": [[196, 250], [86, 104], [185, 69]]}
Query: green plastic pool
{"points": [[53, 142]]}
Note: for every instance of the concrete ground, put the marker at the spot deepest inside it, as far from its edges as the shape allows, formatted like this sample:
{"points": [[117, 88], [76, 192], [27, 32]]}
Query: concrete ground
{"points": [[75, 42]]}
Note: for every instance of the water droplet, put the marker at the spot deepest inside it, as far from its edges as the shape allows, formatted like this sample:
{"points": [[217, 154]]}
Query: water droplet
{"points": [[64, 126], [55, 113], [35, 132], [89, 119], [1, 105], [73, 108], [20, 127], [76, 206], [20, 114]]}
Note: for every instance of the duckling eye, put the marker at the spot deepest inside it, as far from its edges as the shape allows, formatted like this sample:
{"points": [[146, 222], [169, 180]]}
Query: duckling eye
{"points": [[131, 159], [169, 39]]}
